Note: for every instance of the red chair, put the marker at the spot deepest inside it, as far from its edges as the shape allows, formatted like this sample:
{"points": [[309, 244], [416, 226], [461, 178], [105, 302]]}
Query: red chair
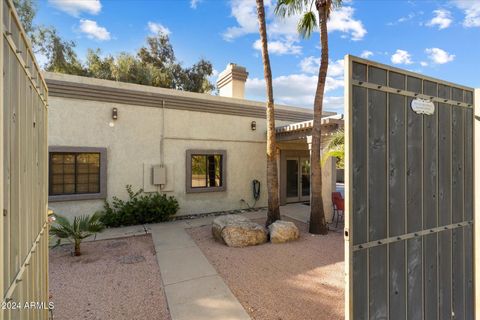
{"points": [[338, 206]]}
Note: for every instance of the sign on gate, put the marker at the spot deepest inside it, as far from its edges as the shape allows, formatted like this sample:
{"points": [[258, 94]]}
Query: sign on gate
{"points": [[409, 195]]}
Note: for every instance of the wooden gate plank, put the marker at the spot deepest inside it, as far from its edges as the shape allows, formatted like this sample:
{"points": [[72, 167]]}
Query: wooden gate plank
{"points": [[396, 200], [458, 131], [430, 217], [360, 285], [469, 303], [378, 283], [430, 276], [458, 289], [414, 205], [377, 155], [444, 210], [468, 211], [396, 142], [359, 147], [397, 281]]}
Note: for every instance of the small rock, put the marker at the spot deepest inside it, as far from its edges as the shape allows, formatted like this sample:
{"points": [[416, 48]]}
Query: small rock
{"points": [[283, 231], [238, 231]]}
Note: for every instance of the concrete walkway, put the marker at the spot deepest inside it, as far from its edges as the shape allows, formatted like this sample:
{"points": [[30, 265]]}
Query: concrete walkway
{"points": [[193, 287]]}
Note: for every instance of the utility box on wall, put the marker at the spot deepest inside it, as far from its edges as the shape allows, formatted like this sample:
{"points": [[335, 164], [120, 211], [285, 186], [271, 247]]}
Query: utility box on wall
{"points": [[159, 175]]}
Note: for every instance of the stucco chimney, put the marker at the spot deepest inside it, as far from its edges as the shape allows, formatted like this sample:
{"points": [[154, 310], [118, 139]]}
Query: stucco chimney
{"points": [[231, 81]]}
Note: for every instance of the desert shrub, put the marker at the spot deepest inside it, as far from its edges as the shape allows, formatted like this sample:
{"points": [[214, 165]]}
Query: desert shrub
{"points": [[140, 208]]}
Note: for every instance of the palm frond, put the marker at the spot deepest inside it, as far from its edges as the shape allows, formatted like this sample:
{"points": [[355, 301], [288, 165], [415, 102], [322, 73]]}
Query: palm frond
{"points": [[286, 8], [307, 24], [335, 148], [80, 228]]}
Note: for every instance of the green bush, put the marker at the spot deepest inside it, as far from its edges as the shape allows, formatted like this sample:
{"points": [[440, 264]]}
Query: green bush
{"points": [[140, 208]]}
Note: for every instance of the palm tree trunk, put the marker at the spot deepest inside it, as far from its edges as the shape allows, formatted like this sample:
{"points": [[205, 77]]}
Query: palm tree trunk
{"points": [[318, 224], [273, 213], [77, 248]]}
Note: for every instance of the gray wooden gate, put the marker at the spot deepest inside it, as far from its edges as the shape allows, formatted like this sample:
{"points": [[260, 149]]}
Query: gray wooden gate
{"points": [[409, 195]]}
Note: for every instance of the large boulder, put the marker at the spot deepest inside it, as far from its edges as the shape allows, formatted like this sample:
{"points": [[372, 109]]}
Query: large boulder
{"points": [[238, 231], [283, 231]]}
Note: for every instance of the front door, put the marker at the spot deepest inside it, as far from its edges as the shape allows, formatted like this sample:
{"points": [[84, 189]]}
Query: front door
{"points": [[298, 179]]}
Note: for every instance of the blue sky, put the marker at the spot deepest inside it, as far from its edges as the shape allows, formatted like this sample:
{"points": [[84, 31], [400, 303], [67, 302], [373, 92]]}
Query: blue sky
{"points": [[437, 38]]}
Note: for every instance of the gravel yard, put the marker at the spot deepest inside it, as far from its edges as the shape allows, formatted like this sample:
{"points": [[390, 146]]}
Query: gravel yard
{"points": [[298, 280], [112, 279]]}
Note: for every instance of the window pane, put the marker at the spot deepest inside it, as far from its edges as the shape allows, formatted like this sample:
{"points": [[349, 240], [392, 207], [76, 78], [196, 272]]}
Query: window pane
{"points": [[82, 188], [211, 171], [57, 168], [74, 173], [218, 170], [69, 158], [69, 179], [199, 171], [69, 188], [93, 188], [57, 159], [82, 178], [57, 189], [57, 179], [82, 168], [69, 168]]}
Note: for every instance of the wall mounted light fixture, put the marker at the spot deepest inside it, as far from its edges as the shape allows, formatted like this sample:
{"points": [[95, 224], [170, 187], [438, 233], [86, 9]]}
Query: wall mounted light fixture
{"points": [[253, 125], [114, 113]]}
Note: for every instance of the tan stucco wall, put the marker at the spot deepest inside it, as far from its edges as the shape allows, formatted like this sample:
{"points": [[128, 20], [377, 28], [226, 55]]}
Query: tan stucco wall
{"points": [[135, 139]]}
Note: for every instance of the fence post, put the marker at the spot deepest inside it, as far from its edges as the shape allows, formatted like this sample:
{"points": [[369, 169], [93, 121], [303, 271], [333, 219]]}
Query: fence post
{"points": [[2, 286], [476, 197]]}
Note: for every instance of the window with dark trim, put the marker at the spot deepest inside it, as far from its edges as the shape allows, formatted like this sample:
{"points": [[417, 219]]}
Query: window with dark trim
{"points": [[76, 173], [205, 170]]}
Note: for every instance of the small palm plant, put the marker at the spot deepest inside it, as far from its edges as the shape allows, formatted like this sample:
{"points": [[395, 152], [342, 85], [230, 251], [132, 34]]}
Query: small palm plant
{"points": [[82, 227], [335, 148]]}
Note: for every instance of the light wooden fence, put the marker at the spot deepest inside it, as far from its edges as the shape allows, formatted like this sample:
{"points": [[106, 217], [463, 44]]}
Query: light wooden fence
{"points": [[23, 197]]}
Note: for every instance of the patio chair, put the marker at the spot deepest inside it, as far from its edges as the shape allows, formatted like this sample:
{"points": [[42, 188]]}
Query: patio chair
{"points": [[338, 206]]}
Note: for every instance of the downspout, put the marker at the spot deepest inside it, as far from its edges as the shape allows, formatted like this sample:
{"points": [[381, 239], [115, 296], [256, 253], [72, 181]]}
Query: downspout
{"points": [[162, 138]]}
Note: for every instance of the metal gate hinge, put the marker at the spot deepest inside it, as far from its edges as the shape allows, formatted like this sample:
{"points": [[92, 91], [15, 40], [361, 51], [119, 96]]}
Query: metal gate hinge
{"points": [[5, 212]]}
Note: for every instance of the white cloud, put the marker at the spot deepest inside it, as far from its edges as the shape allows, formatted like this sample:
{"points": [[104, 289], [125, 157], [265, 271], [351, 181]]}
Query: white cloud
{"points": [[401, 57], [406, 18], [156, 28], [245, 14], [75, 7], [423, 63], [439, 56], [194, 3], [299, 89], [311, 65], [342, 20], [280, 47], [244, 11], [334, 103], [442, 19], [366, 54], [294, 89], [93, 30], [471, 8]]}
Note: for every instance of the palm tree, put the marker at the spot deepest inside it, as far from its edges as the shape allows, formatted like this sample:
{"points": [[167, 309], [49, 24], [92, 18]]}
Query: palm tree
{"points": [[81, 228], [335, 148], [272, 173], [306, 25]]}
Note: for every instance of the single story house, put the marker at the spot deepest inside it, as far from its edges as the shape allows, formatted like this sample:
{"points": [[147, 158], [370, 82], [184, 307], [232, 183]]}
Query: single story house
{"points": [[205, 150]]}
